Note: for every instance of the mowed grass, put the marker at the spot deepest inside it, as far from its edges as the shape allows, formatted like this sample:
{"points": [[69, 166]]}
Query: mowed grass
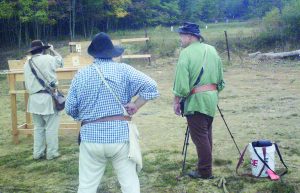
{"points": [[261, 101]]}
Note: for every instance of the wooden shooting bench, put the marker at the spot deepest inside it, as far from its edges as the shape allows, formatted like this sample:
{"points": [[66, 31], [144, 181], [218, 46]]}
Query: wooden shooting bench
{"points": [[75, 47], [16, 76], [136, 56]]}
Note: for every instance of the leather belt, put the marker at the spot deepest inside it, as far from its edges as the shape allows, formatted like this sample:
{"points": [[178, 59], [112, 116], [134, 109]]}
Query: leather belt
{"points": [[109, 118], [203, 88]]}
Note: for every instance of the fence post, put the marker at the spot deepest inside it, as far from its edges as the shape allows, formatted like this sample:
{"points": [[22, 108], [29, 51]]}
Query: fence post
{"points": [[227, 46], [147, 44]]}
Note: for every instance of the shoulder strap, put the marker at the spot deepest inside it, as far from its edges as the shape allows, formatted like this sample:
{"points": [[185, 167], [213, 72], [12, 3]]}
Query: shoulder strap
{"points": [[41, 81], [111, 90], [45, 79], [202, 69]]}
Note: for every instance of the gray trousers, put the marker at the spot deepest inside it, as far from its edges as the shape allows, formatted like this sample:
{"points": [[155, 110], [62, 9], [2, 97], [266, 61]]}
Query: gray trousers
{"points": [[46, 135]]}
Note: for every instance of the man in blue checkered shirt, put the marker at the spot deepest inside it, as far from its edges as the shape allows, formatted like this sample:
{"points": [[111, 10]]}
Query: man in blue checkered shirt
{"points": [[104, 132]]}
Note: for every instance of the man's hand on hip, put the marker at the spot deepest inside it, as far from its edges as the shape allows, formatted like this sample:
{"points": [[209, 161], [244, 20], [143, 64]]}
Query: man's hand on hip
{"points": [[131, 108], [176, 108]]}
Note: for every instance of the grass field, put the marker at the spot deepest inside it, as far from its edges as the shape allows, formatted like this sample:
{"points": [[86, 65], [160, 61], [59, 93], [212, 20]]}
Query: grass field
{"points": [[261, 101]]}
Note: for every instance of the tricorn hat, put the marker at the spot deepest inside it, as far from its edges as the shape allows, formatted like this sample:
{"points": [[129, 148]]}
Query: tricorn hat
{"points": [[102, 47], [37, 45], [190, 28]]}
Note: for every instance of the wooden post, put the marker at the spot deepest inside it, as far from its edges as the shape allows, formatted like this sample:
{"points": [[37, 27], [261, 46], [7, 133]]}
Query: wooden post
{"points": [[27, 115], [227, 46], [147, 45], [13, 104]]}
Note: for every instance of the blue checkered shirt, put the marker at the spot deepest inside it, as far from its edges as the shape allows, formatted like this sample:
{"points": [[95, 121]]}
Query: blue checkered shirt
{"points": [[89, 99]]}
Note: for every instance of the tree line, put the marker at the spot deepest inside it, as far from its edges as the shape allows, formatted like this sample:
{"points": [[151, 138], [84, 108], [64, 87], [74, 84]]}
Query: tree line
{"points": [[24, 20]]}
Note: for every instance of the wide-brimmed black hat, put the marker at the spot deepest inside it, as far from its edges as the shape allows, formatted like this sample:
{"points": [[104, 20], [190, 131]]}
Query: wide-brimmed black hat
{"points": [[102, 47], [37, 45], [190, 28]]}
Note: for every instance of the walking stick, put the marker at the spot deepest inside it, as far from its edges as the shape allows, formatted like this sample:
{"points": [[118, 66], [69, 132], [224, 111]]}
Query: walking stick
{"points": [[185, 146], [229, 130]]}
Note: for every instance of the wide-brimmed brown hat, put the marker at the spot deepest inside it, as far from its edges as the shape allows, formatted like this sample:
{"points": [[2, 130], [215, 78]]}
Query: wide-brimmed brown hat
{"points": [[102, 47], [37, 45]]}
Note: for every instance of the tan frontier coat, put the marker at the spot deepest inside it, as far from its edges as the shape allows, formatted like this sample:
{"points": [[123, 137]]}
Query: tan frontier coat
{"points": [[45, 66]]}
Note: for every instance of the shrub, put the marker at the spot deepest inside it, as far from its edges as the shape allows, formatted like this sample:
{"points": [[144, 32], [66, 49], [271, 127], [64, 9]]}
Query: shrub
{"points": [[280, 28]]}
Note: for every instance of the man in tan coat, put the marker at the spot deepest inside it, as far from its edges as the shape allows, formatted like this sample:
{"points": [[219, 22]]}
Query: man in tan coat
{"points": [[45, 117]]}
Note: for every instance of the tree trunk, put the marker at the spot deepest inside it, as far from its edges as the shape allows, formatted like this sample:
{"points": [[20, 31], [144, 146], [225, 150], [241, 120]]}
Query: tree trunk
{"points": [[44, 32], [92, 26], [73, 17], [20, 34], [70, 24], [272, 55], [107, 23], [26, 34], [83, 24]]}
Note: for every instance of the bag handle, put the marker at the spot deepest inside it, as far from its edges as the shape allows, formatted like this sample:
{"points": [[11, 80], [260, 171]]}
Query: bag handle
{"points": [[241, 160], [280, 157], [111, 90]]}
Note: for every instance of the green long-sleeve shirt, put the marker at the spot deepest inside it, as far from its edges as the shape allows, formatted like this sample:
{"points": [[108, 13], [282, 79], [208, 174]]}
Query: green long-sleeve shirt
{"points": [[188, 68]]}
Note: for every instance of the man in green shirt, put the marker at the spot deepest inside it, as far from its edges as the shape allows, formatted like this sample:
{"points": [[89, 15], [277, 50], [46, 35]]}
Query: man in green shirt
{"points": [[198, 80]]}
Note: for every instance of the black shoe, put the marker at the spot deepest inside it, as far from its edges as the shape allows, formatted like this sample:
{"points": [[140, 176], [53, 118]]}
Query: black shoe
{"points": [[195, 175]]}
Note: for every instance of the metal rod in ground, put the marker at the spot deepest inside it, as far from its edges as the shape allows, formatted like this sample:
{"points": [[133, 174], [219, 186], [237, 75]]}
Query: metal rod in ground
{"points": [[185, 149], [185, 138], [229, 130]]}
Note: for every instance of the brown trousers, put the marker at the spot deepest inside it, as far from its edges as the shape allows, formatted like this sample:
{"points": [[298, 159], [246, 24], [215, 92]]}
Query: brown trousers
{"points": [[200, 126]]}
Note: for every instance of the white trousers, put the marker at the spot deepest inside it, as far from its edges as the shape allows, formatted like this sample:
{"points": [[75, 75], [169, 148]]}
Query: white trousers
{"points": [[45, 135], [92, 162]]}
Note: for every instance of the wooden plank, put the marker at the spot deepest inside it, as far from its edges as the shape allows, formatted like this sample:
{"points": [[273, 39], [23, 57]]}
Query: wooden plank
{"points": [[134, 40], [77, 60], [68, 125], [61, 126], [137, 56], [25, 131], [13, 104], [65, 75], [68, 130], [64, 130], [17, 91], [60, 76], [62, 73], [16, 64], [73, 43]]}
